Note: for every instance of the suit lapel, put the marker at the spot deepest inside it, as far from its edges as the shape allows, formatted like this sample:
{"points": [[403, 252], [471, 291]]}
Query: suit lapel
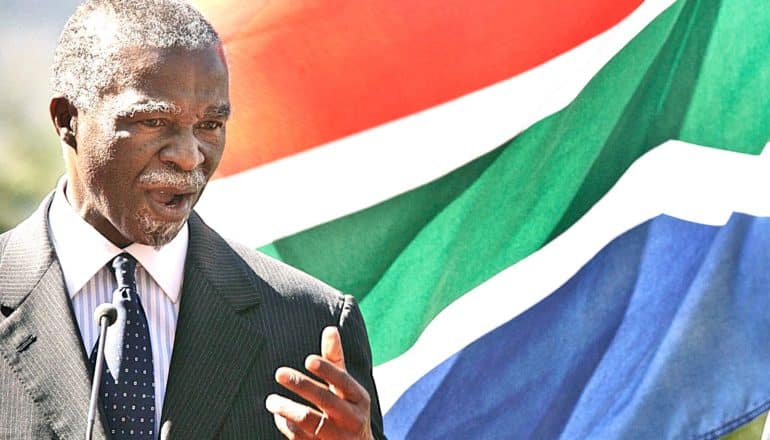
{"points": [[40, 339], [214, 346]]}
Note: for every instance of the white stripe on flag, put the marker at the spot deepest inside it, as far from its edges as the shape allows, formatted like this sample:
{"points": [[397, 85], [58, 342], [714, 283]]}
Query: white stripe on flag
{"points": [[290, 195], [691, 182]]}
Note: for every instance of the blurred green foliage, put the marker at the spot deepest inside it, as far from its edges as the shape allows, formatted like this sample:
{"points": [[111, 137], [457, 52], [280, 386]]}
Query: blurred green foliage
{"points": [[29, 150], [32, 163]]}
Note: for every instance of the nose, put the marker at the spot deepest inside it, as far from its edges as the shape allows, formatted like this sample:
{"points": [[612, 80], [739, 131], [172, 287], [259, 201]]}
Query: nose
{"points": [[183, 151]]}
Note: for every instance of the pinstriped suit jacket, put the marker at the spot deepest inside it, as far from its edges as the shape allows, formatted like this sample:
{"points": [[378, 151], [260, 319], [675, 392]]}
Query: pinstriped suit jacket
{"points": [[241, 316]]}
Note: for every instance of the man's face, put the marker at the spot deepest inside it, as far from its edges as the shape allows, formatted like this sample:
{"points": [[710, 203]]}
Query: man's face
{"points": [[146, 150]]}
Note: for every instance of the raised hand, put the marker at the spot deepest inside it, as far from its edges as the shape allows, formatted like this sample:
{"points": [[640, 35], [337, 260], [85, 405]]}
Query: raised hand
{"points": [[342, 405]]}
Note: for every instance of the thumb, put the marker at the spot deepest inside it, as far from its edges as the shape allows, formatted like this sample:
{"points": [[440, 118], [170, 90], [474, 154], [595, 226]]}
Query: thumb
{"points": [[331, 347]]}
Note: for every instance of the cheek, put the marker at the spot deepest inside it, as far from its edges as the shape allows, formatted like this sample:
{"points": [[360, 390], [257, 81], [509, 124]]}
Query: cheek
{"points": [[96, 159], [213, 155], [111, 163], [211, 145], [217, 148]]}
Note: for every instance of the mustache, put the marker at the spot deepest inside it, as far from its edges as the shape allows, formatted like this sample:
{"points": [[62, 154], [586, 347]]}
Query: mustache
{"points": [[195, 178]]}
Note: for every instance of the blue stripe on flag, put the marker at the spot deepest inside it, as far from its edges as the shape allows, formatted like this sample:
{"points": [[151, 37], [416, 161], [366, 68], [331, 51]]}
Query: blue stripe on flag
{"points": [[662, 334]]}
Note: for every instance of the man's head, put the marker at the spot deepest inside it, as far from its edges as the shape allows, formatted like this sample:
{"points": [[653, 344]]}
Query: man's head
{"points": [[140, 104]]}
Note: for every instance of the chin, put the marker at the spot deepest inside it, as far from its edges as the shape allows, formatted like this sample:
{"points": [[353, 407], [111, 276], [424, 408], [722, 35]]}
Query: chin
{"points": [[157, 233]]}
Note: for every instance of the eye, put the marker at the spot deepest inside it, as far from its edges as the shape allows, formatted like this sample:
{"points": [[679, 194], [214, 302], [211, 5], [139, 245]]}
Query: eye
{"points": [[209, 125], [153, 122]]}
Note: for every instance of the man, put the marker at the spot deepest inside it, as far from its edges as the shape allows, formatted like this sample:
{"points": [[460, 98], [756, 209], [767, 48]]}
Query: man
{"points": [[140, 106]]}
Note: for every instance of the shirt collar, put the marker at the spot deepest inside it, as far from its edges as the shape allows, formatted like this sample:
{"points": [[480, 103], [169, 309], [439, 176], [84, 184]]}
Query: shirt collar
{"points": [[82, 251]]}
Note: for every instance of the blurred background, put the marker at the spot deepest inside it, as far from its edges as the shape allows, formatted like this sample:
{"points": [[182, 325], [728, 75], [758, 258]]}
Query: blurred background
{"points": [[28, 145]]}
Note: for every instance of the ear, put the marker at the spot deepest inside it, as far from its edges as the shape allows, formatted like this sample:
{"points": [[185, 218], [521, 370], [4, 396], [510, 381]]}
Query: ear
{"points": [[64, 116]]}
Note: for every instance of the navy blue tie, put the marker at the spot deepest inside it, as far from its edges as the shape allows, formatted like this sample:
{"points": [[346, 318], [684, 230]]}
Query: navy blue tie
{"points": [[128, 385]]}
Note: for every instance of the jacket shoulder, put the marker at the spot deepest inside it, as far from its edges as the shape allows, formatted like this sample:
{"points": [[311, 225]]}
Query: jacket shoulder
{"points": [[285, 279]]}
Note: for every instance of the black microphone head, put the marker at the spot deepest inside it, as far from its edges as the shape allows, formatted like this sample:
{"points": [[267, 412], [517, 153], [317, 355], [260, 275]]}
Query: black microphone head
{"points": [[106, 310]]}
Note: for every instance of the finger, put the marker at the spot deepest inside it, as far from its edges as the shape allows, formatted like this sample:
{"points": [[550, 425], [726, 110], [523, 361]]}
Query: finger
{"points": [[300, 420], [331, 347], [340, 381], [289, 430], [315, 392]]}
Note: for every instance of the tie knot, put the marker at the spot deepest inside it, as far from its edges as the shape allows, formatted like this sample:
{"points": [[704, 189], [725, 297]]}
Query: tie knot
{"points": [[124, 266]]}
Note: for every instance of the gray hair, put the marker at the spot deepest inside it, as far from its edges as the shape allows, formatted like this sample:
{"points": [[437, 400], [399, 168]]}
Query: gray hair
{"points": [[86, 58]]}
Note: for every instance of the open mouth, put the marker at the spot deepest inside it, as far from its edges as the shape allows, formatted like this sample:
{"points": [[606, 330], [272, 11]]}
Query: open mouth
{"points": [[170, 203], [172, 200]]}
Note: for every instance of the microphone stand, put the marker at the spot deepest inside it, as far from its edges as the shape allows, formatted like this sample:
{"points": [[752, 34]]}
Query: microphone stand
{"points": [[105, 315]]}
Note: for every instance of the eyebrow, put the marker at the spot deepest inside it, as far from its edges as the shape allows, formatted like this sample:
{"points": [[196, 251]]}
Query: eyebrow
{"points": [[217, 111], [150, 107]]}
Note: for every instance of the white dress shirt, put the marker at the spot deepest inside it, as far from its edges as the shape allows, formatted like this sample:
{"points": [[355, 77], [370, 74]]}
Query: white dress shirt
{"points": [[84, 253]]}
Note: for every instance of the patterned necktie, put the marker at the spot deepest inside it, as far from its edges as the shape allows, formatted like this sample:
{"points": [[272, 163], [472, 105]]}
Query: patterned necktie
{"points": [[128, 388]]}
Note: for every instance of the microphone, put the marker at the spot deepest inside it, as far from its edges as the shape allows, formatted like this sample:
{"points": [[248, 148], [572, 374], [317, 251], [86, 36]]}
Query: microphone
{"points": [[165, 430], [105, 315]]}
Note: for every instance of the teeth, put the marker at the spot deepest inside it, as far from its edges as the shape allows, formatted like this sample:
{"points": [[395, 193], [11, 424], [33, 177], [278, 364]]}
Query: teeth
{"points": [[176, 199], [166, 197]]}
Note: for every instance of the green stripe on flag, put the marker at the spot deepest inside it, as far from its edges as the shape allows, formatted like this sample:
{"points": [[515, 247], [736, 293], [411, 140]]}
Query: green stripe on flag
{"points": [[409, 257], [354, 252]]}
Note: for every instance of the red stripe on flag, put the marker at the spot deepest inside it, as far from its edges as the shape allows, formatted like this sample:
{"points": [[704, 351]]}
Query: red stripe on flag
{"points": [[304, 73]]}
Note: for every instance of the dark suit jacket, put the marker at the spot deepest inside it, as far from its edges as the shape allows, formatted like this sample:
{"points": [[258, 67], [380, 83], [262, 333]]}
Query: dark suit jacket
{"points": [[241, 316]]}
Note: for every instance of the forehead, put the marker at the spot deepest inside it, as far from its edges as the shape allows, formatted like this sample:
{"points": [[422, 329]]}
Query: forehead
{"points": [[176, 75]]}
